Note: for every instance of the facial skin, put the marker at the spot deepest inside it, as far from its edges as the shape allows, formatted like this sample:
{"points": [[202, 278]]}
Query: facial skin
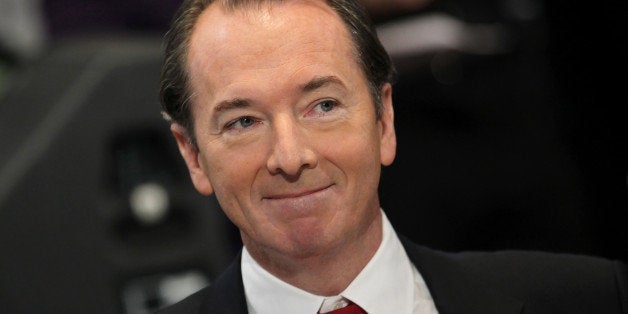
{"points": [[287, 133]]}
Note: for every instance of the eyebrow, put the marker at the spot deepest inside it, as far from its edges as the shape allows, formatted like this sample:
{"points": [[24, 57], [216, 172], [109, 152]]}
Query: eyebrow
{"points": [[232, 104], [319, 82]]}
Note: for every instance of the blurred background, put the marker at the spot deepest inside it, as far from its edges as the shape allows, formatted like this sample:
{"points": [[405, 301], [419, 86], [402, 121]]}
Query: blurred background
{"points": [[510, 128]]}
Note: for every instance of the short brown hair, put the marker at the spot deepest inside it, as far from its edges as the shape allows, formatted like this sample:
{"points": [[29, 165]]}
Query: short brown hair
{"points": [[174, 86]]}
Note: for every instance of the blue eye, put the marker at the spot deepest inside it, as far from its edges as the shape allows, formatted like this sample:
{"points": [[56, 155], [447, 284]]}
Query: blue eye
{"points": [[326, 105], [241, 123], [246, 122]]}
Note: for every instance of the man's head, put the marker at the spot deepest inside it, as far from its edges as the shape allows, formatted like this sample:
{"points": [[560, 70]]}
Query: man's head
{"points": [[174, 90], [287, 133]]}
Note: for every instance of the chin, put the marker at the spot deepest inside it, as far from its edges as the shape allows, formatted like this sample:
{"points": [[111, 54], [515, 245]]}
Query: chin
{"points": [[311, 242]]}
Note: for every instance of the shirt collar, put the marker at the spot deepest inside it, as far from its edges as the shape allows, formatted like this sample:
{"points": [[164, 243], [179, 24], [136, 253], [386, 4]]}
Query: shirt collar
{"points": [[266, 293], [385, 285]]}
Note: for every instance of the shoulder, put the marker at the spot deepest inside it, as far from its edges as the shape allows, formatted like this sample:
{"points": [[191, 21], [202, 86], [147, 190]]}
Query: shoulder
{"points": [[552, 270], [534, 262], [538, 279], [517, 264], [552, 280]]}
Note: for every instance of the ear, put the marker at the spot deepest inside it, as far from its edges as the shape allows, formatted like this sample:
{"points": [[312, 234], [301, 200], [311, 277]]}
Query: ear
{"points": [[388, 139], [191, 156]]}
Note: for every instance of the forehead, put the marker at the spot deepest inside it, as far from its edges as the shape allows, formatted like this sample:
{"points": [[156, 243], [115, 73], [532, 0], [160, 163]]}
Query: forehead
{"points": [[229, 45]]}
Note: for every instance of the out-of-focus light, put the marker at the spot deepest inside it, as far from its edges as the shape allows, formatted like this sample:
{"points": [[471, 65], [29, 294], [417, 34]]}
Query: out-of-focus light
{"points": [[149, 203], [438, 31], [176, 287], [145, 295]]}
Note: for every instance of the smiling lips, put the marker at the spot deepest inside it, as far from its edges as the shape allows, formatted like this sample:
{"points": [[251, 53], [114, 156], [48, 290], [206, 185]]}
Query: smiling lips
{"points": [[292, 195]]}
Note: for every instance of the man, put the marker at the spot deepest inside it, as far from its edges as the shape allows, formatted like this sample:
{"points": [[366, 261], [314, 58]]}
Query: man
{"points": [[283, 109]]}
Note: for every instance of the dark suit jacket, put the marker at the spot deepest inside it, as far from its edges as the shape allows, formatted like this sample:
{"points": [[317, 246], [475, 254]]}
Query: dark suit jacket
{"points": [[475, 282]]}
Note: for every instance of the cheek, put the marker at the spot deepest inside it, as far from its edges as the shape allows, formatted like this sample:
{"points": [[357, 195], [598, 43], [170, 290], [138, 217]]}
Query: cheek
{"points": [[232, 174], [355, 153]]}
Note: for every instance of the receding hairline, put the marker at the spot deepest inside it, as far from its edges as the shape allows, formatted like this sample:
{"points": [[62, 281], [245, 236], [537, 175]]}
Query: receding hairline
{"points": [[252, 5], [235, 6]]}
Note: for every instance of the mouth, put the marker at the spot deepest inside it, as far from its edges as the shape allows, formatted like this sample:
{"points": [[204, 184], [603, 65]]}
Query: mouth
{"points": [[297, 194]]}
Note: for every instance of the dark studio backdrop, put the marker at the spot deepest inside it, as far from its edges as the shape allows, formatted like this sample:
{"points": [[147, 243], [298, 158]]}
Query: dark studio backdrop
{"points": [[522, 147]]}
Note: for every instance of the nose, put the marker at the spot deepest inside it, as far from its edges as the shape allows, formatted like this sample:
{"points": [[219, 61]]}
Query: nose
{"points": [[291, 151]]}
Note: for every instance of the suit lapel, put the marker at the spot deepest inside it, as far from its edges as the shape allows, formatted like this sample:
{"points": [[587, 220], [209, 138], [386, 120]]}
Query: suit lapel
{"points": [[453, 289], [227, 292]]}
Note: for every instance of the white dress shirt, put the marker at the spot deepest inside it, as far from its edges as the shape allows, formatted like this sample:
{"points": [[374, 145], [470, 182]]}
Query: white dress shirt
{"points": [[389, 283]]}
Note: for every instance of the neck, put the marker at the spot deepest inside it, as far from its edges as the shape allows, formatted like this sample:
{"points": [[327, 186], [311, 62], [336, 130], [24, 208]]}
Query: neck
{"points": [[325, 273]]}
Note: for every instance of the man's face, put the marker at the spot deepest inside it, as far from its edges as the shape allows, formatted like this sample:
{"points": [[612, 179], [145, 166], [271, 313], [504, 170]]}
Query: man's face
{"points": [[286, 129]]}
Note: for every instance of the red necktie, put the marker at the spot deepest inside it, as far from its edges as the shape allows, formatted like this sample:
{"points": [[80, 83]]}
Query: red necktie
{"points": [[349, 309]]}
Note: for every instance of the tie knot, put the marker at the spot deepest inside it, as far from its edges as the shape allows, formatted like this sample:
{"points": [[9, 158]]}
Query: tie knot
{"points": [[352, 308]]}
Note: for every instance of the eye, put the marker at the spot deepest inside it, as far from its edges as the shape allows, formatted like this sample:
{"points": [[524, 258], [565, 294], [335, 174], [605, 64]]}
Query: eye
{"points": [[325, 106], [240, 123]]}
